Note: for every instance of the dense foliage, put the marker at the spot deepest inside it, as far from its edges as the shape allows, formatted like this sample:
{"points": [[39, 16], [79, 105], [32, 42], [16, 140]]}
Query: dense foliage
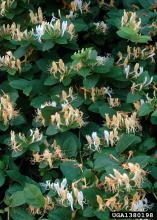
{"points": [[78, 108]]}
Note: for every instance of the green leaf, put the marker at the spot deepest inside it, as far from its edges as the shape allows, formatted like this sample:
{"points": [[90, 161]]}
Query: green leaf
{"points": [[102, 161], [33, 196], [126, 141], [51, 130], [145, 109], [130, 34], [105, 68], [153, 118], [20, 213], [70, 170], [59, 214], [17, 199], [147, 144], [47, 45], [133, 97], [90, 81], [69, 143], [2, 178], [21, 84]]}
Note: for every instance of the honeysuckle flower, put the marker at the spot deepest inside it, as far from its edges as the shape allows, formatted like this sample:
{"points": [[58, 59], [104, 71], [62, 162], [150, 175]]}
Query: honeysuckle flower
{"points": [[57, 188], [9, 61], [140, 86], [106, 135], [80, 198], [127, 70], [70, 200], [100, 203], [46, 104], [79, 4], [141, 205], [7, 109], [96, 140], [101, 60], [64, 27], [53, 19], [47, 185], [39, 32], [36, 135], [130, 19], [36, 18], [13, 142], [113, 102], [101, 26], [63, 183]]}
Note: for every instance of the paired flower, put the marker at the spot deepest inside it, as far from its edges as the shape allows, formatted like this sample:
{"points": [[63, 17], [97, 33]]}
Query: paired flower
{"points": [[123, 120], [7, 110], [10, 62], [65, 195], [101, 26], [138, 70], [142, 85], [48, 155], [95, 92], [5, 6], [130, 19], [36, 18], [16, 141], [67, 117]]}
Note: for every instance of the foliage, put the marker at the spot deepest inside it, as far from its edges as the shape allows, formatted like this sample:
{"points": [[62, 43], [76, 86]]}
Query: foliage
{"points": [[78, 108]]}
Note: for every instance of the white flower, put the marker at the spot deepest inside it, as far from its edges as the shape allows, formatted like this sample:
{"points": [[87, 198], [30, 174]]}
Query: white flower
{"points": [[70, 200], [53, 18], [39, 32], [53, 104], [80, 198], [57, 187], [141, 70], [48, 185], [127, 70], [79, 4], [107, 135], [142, 101], [64, 27], [101, 60], [141, 205], [94, 135], [63, 183]]}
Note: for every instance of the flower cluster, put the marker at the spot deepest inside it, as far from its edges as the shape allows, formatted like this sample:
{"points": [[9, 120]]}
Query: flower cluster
{"points": [[14, 30], [117, 181], [123, 186], [122, 120], [48, 206], [18, 141], [59, 67], [101, 26], [10, 62], [5, 6], [109, 138], [55, 28], [68, 117], [36, 18], [138, 70], [79, 5], [134, 53], [49, 155], [66, 197], [95, 92], [140, 86], [130, 19], [7, 110]]}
